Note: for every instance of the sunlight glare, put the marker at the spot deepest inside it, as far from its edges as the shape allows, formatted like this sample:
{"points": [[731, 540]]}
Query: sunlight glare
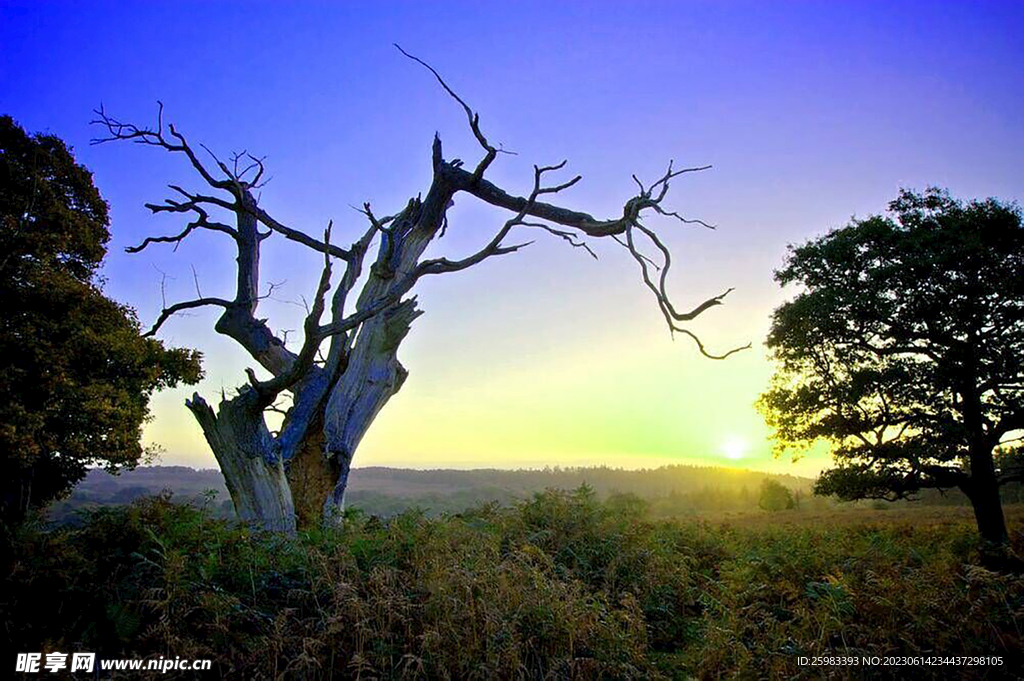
{"points": [[734, 447]]}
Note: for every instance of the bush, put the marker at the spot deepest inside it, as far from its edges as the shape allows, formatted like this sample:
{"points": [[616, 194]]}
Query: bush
{"points": [[561, 586], [775, 496]]}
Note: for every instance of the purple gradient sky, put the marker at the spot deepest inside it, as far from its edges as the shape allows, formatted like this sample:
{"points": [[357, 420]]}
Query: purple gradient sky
{"points": [[810, 112]]}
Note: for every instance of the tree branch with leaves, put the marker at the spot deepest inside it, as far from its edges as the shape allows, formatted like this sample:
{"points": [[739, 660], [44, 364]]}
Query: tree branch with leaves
{"points": [[904, 351]]}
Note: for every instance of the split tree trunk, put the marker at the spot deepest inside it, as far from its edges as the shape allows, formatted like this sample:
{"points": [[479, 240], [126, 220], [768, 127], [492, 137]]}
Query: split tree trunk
{"points": [[300, 477], [373, 373], [244, 448], [372, 377], [311, 475]]}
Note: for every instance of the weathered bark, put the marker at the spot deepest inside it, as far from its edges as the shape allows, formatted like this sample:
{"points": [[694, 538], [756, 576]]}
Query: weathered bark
{"points": [[332, 414], [373, 373], [373, 376], [311, 476], [244, 448]]}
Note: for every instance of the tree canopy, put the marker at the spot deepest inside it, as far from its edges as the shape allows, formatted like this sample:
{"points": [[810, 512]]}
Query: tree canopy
{"points": [[904, 349], [75, 374]]}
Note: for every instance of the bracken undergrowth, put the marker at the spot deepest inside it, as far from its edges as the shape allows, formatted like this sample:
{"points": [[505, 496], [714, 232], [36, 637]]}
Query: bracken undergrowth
{"points": [[562, 586]]}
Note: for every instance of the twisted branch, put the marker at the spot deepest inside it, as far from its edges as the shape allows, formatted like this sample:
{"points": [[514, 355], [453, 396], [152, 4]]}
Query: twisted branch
{"points": [[169, 311], [270, 389], [473, 118], [647, 199]]}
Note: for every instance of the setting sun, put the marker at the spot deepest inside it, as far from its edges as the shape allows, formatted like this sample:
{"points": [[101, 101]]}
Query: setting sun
{"points": [[734, 447]]}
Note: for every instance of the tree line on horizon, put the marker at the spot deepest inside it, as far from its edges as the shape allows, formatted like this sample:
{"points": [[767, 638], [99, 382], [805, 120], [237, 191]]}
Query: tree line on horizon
{"points": [[670, 491]]}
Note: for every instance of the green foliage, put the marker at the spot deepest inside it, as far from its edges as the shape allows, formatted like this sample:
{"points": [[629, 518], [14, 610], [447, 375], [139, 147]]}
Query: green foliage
{"points": [[75, 374], [903, 349], [775, 496], [561, 586]]}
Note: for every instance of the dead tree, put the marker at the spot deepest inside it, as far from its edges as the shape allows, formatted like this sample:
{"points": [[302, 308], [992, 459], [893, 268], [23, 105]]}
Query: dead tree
{"points": [[347, 367]]}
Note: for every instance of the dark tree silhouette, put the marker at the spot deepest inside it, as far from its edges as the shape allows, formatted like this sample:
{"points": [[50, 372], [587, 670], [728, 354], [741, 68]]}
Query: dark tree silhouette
{"points": [[905, 351], [75, 373], [302, 470]]}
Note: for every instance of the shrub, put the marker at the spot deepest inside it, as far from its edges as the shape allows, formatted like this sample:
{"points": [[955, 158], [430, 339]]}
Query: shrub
{"points": [[775, 496], [562, 586]]}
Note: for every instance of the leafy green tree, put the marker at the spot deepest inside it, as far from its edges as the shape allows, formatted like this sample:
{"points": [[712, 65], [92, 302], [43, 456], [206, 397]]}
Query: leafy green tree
{"points": [[904, 350], [75, 374], [775, 496]]}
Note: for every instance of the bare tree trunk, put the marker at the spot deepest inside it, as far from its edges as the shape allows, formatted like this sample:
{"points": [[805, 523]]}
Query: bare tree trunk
{"points": [[311, 475], [253, 472], [373, 375], [995, 551]]}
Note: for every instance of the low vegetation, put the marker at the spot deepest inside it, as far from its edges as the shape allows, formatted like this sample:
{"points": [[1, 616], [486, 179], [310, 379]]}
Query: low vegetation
{"points": [[562, 585], [672, 490]]}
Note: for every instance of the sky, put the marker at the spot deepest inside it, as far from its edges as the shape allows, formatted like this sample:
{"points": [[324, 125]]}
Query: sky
{"points": [[809, 112]]}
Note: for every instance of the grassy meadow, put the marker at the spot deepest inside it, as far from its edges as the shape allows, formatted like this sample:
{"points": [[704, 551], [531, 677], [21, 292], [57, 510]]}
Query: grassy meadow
{"points": [[562, 585]]}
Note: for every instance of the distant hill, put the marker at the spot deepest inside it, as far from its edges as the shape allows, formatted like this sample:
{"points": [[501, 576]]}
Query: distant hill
{"points": [[377, 490], [384, 491]]}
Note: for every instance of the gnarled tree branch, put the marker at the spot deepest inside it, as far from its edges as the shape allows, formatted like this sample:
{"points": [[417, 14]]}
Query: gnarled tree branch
{"points": [[340, 392], [171, 310]]}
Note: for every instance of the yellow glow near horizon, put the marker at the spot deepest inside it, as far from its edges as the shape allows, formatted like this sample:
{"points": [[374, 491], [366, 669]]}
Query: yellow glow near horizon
{"points": [[515, 377], [547, 393], [735, 447]]}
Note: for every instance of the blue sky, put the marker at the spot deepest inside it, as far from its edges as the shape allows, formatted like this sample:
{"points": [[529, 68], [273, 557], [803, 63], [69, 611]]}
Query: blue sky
{"points": [[809, 112]]}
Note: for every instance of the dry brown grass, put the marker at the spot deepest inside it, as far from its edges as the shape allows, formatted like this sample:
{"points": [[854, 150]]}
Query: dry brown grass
{"points": [[560, 587], [918, 516]]}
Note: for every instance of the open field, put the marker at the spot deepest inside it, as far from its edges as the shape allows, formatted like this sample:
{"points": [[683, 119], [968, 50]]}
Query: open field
{"points": [[559, 586], [919, 517]]}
